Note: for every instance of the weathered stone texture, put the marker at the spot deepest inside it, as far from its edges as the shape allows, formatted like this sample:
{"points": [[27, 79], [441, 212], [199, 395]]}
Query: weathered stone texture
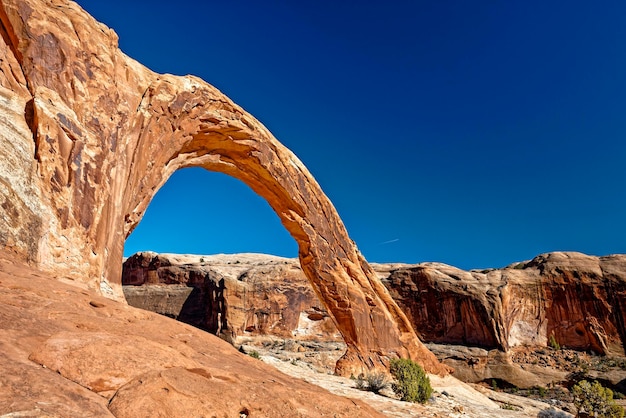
{"points": [[576, 298], [229, 295], [67, 352], [106, 133], [21, 226]]}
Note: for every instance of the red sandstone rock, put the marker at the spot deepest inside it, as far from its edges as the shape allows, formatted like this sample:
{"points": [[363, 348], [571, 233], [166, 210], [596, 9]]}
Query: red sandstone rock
{"points": [[92, 356], [229, 295], [508, 312], [576, 298], [90, 136]]}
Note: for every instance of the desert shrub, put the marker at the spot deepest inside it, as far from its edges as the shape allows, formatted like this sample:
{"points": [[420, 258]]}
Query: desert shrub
{"points": [[508, 407], [553, 343], [376, 382], [552, 413], [494, 385], [373, 382], [254, 354], [411, 384], [540, 390], [361, 384], [595, 400]]}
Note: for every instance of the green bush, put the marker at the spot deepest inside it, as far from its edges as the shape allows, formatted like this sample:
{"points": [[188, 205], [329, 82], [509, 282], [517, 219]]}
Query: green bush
{"points": [[494, 385], [412, 384], [254, 354], [595, 400], [553, 343]]}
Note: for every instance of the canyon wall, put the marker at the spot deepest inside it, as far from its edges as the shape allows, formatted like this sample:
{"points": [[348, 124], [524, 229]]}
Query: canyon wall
{"points": [[571, 298], [574, 299], [89, 136], [229, 295]]}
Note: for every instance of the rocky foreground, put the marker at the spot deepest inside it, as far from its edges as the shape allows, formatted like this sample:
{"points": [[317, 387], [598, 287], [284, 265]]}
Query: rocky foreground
{"points": [[536, 327], [67, 352]]}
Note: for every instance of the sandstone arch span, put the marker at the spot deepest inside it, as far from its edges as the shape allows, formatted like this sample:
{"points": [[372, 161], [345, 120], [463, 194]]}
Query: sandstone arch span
{"points": [[108, 133]]}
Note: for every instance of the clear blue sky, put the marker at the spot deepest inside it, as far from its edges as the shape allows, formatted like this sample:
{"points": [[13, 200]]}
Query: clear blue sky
{"points": [[475, 133]]}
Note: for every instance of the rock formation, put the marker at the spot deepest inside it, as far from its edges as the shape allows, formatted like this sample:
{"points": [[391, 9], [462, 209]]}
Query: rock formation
{"points": [[89, 136], [492, 325], [67, 352], [229, 295], [575, 300]]}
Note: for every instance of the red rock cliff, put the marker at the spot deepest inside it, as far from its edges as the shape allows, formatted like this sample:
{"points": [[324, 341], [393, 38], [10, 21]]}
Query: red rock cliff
{"points": [[578, 299], [90, 135], [229, 295]]}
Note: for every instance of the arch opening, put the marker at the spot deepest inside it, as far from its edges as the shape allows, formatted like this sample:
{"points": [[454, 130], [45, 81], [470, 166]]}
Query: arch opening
{"points": [[203, 252], [201, 212]]}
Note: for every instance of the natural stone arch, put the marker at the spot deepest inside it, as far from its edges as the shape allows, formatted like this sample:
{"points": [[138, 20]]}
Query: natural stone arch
{"points": [[108, 133], [205, 129]]}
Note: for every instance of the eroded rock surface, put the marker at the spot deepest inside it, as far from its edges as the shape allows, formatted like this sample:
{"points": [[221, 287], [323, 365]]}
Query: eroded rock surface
{"points": [[477, 322], [575, 300], [89, 137], [570, 299], [229, 295], [69, 353]]}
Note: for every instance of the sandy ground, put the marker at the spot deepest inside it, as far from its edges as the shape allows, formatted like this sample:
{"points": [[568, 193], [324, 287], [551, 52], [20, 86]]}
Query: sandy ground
{"points": [[452, 398]]}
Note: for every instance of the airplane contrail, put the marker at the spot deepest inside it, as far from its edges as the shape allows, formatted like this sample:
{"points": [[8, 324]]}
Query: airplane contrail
{"points": [[390, 241]]}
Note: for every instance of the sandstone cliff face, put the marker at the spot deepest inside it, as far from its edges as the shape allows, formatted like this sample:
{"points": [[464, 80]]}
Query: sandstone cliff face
{"points": [[89, 137], [229, 295], [578, 299]]}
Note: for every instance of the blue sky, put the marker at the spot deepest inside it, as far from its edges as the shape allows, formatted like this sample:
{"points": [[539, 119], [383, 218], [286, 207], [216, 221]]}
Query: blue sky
{"points": [[472, 133]]}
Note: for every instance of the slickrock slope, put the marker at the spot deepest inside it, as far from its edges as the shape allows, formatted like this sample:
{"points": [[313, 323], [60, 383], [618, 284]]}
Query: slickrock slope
{"points": [[69, 353], [88, 136]]}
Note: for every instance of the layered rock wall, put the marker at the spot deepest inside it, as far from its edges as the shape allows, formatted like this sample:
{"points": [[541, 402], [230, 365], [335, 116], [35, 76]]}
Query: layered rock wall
{"points": [[229, 295], [576, 299], [92, 135]]}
